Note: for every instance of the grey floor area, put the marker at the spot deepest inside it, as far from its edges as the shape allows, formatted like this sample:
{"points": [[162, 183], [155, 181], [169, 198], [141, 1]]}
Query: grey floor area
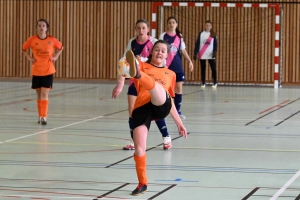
{"points": [[243, 143]]}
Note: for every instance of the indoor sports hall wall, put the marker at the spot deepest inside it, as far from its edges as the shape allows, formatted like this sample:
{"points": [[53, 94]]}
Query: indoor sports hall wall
{"points": [[94, 34], [246, 39]]}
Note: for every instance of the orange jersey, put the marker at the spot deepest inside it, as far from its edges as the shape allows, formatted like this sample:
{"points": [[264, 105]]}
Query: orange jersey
{"points": [[43, 50], [163, 76]]}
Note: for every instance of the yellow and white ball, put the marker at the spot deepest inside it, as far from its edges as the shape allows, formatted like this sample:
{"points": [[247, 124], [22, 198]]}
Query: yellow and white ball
{"points": [[123, 67]]}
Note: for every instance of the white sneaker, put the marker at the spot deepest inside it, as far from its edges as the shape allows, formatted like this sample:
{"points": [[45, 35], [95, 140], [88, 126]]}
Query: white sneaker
{"points": [[167, 142], [214, 86], [129, 146], [202, 86], [181, 115]]}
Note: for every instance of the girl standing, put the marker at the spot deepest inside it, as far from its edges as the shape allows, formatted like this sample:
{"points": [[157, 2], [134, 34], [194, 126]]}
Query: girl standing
{"points": [[43, 49], [174, 61], [206, 49]]}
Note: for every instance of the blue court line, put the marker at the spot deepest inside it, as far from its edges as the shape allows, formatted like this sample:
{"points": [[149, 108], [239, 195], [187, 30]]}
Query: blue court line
{"points": [[151, 167]]}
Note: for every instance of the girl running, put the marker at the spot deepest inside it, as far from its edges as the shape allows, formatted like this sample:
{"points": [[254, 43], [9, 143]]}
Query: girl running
{"points": [[155, 86], [174, 37], [206, 49], [43, 49], [141, 46]]}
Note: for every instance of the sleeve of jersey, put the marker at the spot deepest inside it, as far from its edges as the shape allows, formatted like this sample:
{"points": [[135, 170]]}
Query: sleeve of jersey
{"points": [[182, 45], [197, 44], [172, 85], [128, 47], [215, 47], [161, 37], [153, 40], [57, 44], [27, 44]]}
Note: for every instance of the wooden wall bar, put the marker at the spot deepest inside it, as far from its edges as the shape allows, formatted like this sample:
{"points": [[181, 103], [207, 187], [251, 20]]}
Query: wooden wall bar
{"points": [[291, 43], [95, 33]]}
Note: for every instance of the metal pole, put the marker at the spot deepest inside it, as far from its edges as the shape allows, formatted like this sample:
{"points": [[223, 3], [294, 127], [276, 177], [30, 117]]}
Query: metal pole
{"points": [[161, 28], [280, 47]]}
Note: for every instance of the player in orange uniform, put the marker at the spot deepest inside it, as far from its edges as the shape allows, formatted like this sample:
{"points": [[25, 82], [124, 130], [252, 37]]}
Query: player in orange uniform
{"points": [[43, 49], [155, 86], [141, 46]]}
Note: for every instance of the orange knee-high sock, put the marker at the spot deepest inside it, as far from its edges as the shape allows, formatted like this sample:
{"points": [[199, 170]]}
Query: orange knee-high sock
{"points": [[140, 167], [146, 81], [39, 107], [44, 108]]}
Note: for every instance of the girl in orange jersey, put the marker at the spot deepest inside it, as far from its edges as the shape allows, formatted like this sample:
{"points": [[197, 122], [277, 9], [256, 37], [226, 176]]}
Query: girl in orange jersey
{"points": [[155, 86], [43, 49], [141, 46]]}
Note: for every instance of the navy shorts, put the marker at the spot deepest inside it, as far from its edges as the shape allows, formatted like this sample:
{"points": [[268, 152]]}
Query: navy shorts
{"points": [[180, 77], [145, 114], [42, 81], [132, 90]]}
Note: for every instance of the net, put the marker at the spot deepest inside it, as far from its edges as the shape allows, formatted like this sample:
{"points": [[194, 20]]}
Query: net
{"points": [[246, 35]]}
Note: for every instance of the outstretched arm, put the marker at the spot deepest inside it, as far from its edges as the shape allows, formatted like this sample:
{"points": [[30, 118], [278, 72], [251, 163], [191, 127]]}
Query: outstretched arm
{"points": [[181, 129]]}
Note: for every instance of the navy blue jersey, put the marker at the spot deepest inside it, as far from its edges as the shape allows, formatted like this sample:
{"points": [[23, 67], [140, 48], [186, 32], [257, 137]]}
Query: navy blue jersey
{"points": [[141, 49], [176, 64]]}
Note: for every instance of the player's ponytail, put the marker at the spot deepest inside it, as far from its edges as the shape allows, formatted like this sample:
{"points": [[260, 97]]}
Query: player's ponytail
{"points": [[178, 33]]}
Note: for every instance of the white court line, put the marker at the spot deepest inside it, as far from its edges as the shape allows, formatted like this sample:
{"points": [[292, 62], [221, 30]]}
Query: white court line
{"points": [[46, 131], [281, 190], [59, 197], [40, 197]]}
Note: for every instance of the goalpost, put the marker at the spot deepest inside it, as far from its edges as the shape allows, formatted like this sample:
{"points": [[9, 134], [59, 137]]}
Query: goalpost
{"points": [[274, 65]]}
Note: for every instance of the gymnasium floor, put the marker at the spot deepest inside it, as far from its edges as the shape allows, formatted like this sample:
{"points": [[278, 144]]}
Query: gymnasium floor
{"points": [[243, 143]]}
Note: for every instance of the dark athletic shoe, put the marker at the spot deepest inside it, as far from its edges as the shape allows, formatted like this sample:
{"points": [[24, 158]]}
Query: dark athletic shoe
{"points": [[140, 189]]}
